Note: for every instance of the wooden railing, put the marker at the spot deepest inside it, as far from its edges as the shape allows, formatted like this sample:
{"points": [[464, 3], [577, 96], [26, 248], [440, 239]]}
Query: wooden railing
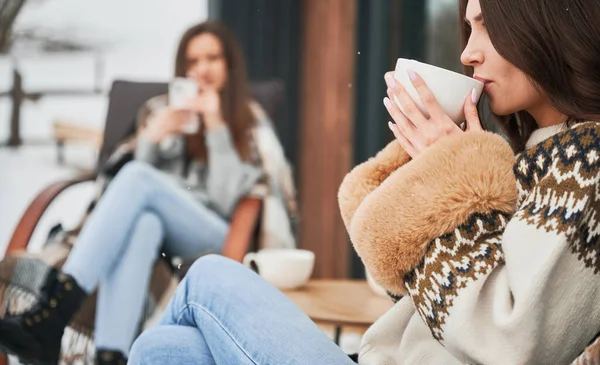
{"points": [[18, 96]]}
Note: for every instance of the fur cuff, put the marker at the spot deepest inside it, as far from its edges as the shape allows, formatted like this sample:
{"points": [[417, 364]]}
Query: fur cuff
{"points": [[366, 177], [462, 174]]}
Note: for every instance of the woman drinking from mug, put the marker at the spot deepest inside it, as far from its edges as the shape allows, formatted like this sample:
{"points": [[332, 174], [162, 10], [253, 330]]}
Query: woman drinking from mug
{"points": [[494, 251]]}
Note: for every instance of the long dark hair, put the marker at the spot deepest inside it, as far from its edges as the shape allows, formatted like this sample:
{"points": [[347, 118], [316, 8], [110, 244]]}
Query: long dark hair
{"points": [[235, 95], [556, 43]]}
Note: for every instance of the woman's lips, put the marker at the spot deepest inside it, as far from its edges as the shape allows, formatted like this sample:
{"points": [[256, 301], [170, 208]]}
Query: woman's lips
{"points": [[481, 79], [486, 83]]}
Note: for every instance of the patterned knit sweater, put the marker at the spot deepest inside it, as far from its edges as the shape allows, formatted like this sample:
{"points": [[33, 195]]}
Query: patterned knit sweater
{"points": [[498, 259]]}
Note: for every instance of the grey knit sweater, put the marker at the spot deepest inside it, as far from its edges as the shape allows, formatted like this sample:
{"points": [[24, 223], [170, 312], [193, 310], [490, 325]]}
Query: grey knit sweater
{"points": [[219, 183]]}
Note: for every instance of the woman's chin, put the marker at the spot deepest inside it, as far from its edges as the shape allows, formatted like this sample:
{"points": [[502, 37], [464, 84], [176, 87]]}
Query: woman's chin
{"points": [[501, 110]]}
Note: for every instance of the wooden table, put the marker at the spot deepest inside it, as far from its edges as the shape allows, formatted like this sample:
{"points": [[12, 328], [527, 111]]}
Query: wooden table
{"points": [[340, 303]]}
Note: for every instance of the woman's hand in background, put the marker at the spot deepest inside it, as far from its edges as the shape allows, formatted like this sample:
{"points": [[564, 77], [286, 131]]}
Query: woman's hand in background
{"points": [[166, 122], [208, 104]]}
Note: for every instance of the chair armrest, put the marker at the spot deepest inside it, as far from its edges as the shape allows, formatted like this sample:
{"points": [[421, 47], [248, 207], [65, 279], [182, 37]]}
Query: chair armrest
{"points": [[242, 228], [29, 220]]}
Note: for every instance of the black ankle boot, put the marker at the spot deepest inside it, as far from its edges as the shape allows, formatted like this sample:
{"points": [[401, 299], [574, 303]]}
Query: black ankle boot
{"points": [[35, 336], [107, 357]]}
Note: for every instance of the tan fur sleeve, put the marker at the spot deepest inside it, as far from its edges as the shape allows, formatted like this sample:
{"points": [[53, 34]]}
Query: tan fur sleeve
{"points": [[465, 173], [366, 177]]}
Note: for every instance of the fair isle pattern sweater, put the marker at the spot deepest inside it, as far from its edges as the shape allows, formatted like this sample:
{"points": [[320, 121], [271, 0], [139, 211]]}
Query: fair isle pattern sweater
{"points": [[500, 258]]}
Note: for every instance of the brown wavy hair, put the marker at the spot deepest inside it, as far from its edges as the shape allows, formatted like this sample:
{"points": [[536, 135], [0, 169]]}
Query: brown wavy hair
{"points": [[235, 95], [556, 43]]}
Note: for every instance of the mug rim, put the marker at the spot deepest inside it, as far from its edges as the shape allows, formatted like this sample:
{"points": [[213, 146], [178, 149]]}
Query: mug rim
{"points": [[441, 69], [285, 250]]}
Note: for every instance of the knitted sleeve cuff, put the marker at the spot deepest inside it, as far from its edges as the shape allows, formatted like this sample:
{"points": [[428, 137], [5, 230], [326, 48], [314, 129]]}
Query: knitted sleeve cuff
{"points": [[462, 174]]}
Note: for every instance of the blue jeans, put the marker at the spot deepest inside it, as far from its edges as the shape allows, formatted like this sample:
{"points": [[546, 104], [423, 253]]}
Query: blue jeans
{"points": [[223, 313], [141, 210]]}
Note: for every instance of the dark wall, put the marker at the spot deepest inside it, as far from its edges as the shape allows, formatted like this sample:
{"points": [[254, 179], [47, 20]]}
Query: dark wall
{"points": [[269, 31], [387, 30]]}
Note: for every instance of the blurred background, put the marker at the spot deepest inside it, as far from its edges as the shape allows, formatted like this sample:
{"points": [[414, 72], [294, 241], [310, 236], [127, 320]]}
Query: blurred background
{"points": [[59, 58]]}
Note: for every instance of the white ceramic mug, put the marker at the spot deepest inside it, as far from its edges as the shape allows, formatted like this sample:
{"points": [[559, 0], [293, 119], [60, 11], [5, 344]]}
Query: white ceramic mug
{"points": [[450, 88], [283, 268]]}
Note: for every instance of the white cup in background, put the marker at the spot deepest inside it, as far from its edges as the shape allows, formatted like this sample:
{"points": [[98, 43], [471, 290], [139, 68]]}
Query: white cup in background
{"points": [[283, 268], [450, 88]]}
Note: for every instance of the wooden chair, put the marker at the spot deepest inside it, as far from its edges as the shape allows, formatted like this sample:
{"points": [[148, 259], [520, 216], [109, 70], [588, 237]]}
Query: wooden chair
{"points": [[125, 99]]}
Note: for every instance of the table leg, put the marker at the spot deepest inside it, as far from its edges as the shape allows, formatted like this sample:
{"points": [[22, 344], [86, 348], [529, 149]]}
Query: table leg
{"points": [[337, 334], [60, 152]]}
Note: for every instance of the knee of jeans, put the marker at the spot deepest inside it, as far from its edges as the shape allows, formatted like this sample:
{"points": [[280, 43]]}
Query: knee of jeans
{"points": [[150, 226], [134, 171], [149, 344], [211, 266]]}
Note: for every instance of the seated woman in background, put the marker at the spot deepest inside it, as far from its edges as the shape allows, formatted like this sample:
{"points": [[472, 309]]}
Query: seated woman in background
{"points": [[496, 257], [180, 191]]}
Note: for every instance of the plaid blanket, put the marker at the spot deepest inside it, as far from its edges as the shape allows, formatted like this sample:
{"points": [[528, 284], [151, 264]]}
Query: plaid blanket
{"points": [[22, 276]]}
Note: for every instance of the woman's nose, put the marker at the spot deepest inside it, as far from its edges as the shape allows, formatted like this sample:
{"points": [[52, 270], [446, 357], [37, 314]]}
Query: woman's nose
{"points": [[471, 56]]}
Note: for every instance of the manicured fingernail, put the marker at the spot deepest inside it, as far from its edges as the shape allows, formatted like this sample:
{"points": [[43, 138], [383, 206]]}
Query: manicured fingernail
{"points": [[387, 103], [474, 96], [390, 81], [412, 74], [391, 126]]}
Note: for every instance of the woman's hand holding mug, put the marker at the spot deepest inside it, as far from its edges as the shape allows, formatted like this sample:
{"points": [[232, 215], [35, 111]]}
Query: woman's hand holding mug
{"points": [[166, 122], [416, 131], [208, 104]]}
